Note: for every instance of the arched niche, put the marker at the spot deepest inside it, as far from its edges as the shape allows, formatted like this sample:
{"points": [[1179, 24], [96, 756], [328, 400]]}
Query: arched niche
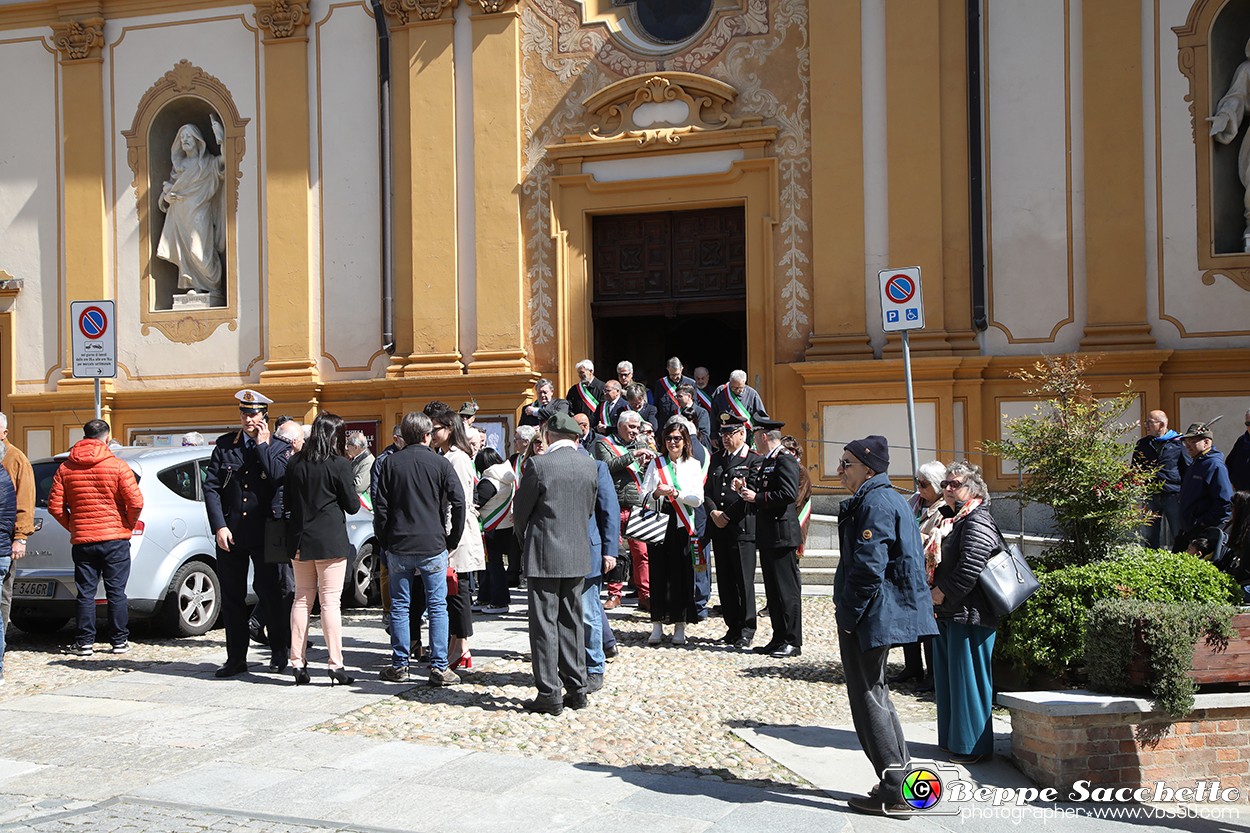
{"points": [[1211, 46], [184, 95]]}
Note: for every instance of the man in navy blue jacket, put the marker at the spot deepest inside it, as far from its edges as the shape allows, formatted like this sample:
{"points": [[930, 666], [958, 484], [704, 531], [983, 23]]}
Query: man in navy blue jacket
{"points": [[1206, 495], [1160, 450], [882, 599]]}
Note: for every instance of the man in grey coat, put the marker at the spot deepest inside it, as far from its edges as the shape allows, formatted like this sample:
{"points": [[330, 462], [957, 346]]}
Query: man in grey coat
{"points": [[551, 516]]}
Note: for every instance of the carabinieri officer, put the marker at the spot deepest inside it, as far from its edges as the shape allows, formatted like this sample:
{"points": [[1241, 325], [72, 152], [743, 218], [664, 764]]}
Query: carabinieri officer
{"points": [[240, 492]]}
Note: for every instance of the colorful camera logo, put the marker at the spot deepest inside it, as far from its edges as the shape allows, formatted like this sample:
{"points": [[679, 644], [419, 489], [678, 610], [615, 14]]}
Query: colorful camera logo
{"points": [[922, 788]]}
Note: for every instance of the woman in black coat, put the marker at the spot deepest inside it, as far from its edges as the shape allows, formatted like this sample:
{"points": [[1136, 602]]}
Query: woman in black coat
{"points": [[319, 494], [964, 646]]}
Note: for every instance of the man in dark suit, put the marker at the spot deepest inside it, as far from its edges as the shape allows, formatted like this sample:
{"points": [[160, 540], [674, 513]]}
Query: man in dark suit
{"points": [[666, 403], [610, 408], [585, 396], [586, 439], [636, 394], [241, 494], [778, 536], [731, 529], [544, 404], [553, 508], [700, 418]]}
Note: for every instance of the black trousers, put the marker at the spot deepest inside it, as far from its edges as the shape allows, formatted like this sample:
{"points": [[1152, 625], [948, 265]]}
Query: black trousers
{"points": [[735, 582], [784, 591], [557, 636], [876, 722], [232, 572]]}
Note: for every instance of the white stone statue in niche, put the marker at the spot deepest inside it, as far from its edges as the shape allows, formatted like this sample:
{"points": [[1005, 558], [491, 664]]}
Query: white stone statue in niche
{"points": [[194, 235], [1224, 127]]}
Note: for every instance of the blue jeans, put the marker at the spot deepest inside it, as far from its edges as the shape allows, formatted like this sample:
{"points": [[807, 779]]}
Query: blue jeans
{"points": [[592, 618], [110, 560], [6, 564], [433, 570]]}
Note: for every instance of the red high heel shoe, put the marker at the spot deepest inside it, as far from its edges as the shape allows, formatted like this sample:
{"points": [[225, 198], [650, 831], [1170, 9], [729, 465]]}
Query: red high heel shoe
{"points": [[465, 661]]}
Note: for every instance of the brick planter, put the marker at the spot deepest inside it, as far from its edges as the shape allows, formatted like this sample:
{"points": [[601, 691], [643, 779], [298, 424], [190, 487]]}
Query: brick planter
{"points": [[1060, 737]]}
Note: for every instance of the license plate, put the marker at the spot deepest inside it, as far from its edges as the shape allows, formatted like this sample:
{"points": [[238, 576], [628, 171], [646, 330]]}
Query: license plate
{"points": [[33, 588]]}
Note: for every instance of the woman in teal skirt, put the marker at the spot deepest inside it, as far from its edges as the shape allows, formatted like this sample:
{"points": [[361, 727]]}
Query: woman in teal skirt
{"points": [[964, 646]]}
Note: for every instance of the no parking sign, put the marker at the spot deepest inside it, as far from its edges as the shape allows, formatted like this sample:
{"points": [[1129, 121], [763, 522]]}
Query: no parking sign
{"points": [[902, 304], [93, 339]]}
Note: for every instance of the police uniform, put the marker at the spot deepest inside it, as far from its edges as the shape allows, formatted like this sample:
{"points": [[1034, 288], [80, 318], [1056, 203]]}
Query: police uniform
{"points": [[778, 535], [241, 494], [733, 545]]}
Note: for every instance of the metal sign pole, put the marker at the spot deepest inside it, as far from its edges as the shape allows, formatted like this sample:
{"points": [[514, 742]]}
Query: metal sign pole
{"points": [[97, 397], [911, 410]]}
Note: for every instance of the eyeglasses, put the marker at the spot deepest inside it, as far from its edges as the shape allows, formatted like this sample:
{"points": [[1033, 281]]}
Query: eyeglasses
{"points": [[846, 464], [952, 484], [924, 484], [676, 438]]}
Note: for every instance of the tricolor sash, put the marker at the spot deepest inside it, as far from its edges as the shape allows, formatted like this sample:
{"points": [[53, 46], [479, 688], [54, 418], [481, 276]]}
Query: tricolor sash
{"points": [[703, 399], [671, 390], [668, 476], [366, 501], [495, 518], [805, 512], [588, 398], [620, 451], [736, 406]]}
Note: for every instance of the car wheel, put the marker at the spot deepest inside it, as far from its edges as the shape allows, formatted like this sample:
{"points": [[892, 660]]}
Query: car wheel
{"points": [[38, 624], [194, 600], [361, 587]]}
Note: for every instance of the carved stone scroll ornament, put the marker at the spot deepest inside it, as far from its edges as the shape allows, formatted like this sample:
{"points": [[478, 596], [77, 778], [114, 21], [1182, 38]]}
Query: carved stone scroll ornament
{"points": [[493, 6], [282, 18], [662, 108], [404, 10], [79, 39]]}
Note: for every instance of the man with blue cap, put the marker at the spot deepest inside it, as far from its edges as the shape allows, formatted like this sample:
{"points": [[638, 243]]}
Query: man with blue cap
{"points": [[241, 495]]}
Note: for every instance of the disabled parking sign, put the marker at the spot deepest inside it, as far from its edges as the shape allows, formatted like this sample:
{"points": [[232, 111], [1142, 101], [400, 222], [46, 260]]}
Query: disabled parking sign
{"points": [[902, 302]]}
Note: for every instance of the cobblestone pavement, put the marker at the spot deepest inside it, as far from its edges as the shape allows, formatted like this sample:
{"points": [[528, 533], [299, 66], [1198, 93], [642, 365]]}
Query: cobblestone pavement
{"points": [[666, 709], [122, 816]]}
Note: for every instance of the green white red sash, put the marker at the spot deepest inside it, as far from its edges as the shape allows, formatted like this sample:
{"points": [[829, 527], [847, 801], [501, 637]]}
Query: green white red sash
{"points": [[735, 404], [495, 518], [668, 476], [366, 501], [805, 512], [588, 398], [620, 451], [703, 399], [671, 390]]}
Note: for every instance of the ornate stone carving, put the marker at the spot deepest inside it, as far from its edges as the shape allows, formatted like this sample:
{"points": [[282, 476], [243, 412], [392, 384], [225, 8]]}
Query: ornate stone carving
{"points": [[403, 10], [1241, 277], [492, 6], [663, 107], [79, 39], [282, 18]]}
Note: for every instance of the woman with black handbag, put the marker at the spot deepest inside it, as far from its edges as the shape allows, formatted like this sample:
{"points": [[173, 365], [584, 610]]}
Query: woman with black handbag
{"points": [[320, 493], [964, 646], [677, 479]]}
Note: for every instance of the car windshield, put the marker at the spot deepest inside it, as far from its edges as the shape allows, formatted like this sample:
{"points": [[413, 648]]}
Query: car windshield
{"points": [[45, 470]]}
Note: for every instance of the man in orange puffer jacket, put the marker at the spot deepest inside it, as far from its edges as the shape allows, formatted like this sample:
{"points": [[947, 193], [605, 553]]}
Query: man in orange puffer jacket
{"points": [[95, 496]]}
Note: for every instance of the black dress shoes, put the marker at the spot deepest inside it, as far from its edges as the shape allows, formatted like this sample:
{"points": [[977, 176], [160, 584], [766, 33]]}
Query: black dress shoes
{"points": [[594, 682], [743, 644], [543, 707], [576, 701], [908, 674], [730, 637], [767, 649], [278, 664], [786, 651], [230, 669]]}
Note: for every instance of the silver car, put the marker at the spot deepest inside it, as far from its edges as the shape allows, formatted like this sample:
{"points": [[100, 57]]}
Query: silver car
{"points": [[173, 577]]}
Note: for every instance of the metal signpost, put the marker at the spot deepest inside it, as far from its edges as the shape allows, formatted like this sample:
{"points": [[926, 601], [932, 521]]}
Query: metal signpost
{"points": [[902, 309], [93, 342]]}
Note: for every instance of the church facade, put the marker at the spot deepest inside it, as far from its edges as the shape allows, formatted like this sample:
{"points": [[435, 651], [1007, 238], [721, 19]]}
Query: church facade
{"points": [[528, 183]]}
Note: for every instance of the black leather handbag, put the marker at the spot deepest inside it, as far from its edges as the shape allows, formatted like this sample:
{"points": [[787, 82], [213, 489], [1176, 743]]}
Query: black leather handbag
{"points": [[1007, 582]]}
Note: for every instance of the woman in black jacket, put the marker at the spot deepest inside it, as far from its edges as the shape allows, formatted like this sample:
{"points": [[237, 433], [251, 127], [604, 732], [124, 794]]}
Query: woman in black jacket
{"points": [[319, 493], [963, 683]]}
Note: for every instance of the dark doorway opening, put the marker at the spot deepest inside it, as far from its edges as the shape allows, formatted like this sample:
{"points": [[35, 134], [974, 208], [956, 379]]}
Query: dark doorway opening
{"points": [[670, 284]]}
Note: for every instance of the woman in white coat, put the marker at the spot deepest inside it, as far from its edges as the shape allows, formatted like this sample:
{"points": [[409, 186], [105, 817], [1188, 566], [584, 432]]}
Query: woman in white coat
{"points": [[450, 440], [677, 479]]}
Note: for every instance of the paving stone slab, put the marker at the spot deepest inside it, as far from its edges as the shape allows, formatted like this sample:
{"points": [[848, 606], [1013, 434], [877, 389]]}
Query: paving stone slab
{"points": [[403, 757], [216, 784], [66, 704], [486, 772], [518, 813], [317, 794], [583, 783], [617, 820]]}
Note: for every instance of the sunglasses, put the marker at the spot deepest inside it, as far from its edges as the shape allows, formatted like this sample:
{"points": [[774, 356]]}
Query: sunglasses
{"points": [[846, 464], [952, 484], [924, 484], [676, 438]]}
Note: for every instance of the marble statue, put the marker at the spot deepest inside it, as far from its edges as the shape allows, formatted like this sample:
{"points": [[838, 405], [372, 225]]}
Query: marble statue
{"points": [[1224, 127], [194, 236]]}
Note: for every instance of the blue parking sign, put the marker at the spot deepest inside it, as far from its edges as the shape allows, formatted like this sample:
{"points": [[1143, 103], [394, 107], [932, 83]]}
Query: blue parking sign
{"points": [[912, 315], [891, 316]]}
